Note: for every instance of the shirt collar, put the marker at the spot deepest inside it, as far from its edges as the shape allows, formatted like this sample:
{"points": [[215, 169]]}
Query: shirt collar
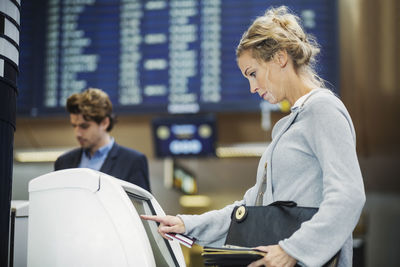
{"points": [[102, 150], [301, 100]]}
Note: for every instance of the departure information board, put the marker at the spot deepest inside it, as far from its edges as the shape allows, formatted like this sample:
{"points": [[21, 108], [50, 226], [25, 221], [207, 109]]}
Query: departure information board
{"points": [[175, 56]]}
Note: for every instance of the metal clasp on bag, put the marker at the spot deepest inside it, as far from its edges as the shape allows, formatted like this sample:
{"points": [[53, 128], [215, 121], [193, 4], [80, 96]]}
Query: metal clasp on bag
{"points": [[241, 213]]}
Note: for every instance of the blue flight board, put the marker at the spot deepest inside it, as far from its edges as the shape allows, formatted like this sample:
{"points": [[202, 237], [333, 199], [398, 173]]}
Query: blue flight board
{"points": [[152, 56]]}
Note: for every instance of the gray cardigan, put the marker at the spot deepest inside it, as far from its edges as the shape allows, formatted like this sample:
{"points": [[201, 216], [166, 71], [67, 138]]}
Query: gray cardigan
{"points": [[312, 160]]}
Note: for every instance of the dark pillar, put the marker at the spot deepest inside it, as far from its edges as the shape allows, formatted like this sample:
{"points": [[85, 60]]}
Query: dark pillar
{"points": [[9, 53], [6, 160]]}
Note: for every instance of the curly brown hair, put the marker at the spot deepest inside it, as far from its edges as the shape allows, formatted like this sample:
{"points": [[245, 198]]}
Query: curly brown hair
{"points": [[94, 105]]}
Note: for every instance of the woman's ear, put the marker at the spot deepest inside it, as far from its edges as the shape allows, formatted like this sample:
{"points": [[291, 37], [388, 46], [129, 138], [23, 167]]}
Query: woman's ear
{"points": [[281, 58]]}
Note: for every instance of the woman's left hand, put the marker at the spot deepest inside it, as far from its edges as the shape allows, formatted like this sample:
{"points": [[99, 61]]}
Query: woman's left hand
{"points": [[276, 257]]}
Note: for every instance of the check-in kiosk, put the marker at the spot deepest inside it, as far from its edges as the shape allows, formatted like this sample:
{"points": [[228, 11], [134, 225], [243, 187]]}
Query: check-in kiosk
{"points": [[81, 217]]}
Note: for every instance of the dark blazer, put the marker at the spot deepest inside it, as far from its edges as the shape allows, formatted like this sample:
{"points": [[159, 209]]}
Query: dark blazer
{"points": [[121, 162]]}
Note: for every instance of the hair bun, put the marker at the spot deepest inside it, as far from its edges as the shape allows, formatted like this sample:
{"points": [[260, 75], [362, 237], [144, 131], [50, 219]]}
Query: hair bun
{"points": [[279, 29]]}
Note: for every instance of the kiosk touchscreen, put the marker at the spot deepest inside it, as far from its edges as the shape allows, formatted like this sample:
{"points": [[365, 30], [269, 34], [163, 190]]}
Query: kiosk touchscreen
{"points": [[81, 217]]}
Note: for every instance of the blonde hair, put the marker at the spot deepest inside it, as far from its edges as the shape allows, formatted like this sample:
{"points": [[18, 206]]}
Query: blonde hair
{"points": [[94, 105], [279, 29]]}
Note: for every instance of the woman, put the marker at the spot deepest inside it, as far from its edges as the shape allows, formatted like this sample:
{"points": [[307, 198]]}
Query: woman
{"points": [[311, 160]]}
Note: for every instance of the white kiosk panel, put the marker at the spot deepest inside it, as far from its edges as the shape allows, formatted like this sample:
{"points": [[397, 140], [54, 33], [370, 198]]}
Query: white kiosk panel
{"points": [[81, 217]]}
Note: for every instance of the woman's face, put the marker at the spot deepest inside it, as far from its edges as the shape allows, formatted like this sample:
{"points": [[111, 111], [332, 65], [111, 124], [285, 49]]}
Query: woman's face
{"points": [[264, 78]]}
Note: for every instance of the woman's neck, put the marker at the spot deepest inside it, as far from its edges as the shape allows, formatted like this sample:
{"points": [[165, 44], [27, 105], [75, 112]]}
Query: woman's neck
{"points": [[297, 87]]}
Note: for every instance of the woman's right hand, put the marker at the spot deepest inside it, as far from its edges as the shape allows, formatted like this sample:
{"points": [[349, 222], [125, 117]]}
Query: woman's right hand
{"points": [[168, 224]]}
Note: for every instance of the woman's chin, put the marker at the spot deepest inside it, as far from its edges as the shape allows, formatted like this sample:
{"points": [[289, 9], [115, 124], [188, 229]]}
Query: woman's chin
{"points": [[271, 100]]}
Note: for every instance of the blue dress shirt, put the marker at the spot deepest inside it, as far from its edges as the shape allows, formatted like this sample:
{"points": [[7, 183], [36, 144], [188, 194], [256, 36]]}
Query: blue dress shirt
{"points": [[96, 161]]}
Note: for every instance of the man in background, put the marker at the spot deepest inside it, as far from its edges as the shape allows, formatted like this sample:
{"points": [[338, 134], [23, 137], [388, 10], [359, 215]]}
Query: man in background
{"points": [[92, 119]]}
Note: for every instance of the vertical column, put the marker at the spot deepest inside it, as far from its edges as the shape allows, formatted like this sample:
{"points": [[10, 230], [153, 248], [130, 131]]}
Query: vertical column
{"points": [[210, 51], [387, 58], [9, 57], [73, 42], [155, 51], [51, 71], [182, 58], [130, 56]]}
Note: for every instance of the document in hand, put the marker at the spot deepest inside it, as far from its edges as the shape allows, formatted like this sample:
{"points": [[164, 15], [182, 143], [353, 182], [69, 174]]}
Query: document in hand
{"points": [[228, 256], [183, 239]]}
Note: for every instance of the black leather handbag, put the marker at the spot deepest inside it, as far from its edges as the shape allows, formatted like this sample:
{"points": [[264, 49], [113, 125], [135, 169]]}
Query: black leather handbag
{"points": [[253, 226]]}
